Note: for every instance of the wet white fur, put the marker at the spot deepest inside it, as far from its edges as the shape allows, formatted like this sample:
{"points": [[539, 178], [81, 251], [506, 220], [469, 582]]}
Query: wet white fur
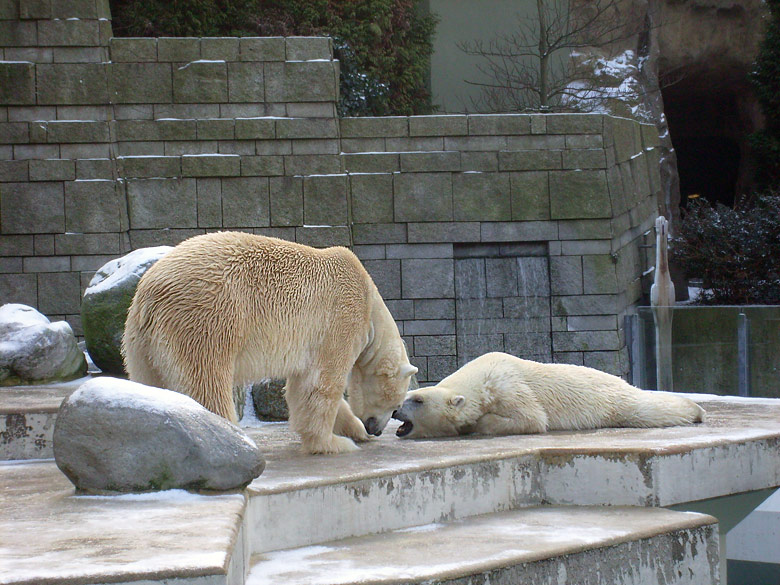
{"points": [[500, 394], [228, 308]]}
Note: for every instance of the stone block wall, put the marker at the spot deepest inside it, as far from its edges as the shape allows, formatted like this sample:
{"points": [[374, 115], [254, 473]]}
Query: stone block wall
{"points": [[518, 233]]}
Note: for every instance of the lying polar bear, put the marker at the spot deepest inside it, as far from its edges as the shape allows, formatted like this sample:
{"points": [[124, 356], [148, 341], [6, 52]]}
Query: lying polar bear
{"points": [[500, 394]]}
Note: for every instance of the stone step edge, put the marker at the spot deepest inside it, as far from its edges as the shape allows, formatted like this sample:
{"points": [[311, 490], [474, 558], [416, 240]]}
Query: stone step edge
{"points": [[408, 494], [505, 541]]}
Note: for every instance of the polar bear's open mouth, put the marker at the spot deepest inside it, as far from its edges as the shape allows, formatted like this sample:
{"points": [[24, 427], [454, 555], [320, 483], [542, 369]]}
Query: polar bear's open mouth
{"points": [[407, 425], [404, 429]]}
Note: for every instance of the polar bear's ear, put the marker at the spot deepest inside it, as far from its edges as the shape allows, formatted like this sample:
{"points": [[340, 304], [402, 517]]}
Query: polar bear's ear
{"points": [[407, 370], [457, 401]]}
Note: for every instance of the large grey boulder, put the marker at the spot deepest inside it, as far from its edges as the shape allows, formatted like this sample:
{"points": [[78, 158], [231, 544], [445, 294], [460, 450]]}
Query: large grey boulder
{"points": [[114, 435], [105, 304], [34, 350]]}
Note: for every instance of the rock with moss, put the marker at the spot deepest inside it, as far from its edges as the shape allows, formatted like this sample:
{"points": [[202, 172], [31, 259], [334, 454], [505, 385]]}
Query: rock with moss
{"points": [[268, 399], [105, 304], [33, 350], [113, 435]]}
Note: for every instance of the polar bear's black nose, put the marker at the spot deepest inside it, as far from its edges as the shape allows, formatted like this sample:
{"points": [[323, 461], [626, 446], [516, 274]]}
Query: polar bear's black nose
{"points": [[372, 427]]}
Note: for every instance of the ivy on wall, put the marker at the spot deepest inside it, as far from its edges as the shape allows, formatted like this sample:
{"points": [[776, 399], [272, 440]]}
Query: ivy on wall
{"points": [[384, 46]]}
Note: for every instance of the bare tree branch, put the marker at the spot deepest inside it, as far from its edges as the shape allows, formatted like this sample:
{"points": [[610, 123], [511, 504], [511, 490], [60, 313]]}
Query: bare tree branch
{"points": [[534, 67]]}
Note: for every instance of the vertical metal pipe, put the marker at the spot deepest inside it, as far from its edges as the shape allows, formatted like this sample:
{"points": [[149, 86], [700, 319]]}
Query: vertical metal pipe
{"points": [[631, 325], [743, 355]]}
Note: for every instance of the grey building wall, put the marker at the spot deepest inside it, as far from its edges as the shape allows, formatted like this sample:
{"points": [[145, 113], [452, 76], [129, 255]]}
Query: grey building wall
{"points": [[466, 21], [513, 232]]}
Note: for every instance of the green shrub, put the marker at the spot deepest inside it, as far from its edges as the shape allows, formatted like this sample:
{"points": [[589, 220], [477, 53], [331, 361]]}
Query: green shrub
{"points": [[736, 252], [385, 45], [361, 94], [184, 18], [766, 83]]}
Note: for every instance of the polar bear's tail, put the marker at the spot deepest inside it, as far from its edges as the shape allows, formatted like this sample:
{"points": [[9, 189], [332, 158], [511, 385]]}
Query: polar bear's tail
{"points": [[663, 409]]}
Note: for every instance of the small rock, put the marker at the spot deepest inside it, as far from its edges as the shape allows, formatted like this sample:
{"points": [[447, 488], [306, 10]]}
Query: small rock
{"points": [[106, 302], [268, 398], [35, 350], [114, 435], [270, 405]]}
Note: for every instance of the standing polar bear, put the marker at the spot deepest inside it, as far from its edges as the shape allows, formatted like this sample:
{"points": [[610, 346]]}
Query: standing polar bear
{"points": [[500, 394], [228, 308]]}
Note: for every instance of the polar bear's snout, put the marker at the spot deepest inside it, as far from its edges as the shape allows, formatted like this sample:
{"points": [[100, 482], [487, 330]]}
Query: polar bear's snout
{"points": [[372, 427], [404, 415]]}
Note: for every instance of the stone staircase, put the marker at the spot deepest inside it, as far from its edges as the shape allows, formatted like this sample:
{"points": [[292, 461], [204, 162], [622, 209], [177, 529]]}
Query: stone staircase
{"points": [[532, 545], [563, 507]]}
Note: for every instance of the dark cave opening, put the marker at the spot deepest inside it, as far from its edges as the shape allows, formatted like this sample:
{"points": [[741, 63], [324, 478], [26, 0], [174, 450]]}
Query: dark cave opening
{"points": [[709, 122], [708, 167]]}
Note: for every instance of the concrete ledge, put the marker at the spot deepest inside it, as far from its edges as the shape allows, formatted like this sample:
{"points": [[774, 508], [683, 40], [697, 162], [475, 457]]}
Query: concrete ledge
{"points": [[64, 539], [588, 546], [27, 415]]}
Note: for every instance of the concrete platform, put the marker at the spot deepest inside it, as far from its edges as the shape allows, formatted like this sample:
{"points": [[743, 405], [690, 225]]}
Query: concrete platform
{"points": [[57, 537], [50, 536]]}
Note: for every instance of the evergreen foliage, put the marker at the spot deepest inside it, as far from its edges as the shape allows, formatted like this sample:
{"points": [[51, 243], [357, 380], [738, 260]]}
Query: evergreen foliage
{"points": [[734, 251], [766, 81], [384, 45]]}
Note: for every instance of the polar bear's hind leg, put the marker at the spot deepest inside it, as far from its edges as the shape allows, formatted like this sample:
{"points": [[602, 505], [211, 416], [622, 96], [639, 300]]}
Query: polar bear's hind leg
{"points": [[658, 409]]}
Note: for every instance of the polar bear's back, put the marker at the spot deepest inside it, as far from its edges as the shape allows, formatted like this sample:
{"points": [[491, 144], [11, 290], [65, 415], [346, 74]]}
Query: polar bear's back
{"points": [[577, 397], [256, 294]]}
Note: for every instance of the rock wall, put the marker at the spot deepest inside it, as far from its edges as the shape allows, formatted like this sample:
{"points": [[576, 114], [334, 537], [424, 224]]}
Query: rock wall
{"points": [[689, 61], [706, 49], [514, 232]]}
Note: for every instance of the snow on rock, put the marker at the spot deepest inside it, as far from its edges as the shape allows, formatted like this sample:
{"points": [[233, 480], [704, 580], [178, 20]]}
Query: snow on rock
{"points": [[608, 84], [35, 350], [106, 301], [116, 273], [113, 435]]}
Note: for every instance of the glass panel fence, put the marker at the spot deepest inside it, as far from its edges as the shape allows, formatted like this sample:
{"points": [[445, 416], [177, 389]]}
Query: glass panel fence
{"points": [[715, 350]]}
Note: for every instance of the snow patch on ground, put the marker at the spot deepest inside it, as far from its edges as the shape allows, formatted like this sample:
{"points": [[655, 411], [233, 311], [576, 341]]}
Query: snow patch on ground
{"points": [[162, 496]]}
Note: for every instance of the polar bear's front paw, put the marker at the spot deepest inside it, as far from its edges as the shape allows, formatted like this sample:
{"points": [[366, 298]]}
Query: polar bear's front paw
{"points": [[351, 427], [334, 444]]}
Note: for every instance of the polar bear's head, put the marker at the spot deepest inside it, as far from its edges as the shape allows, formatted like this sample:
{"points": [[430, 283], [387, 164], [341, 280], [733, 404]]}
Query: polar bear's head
{"points": [[436, 411], [374, 393]]}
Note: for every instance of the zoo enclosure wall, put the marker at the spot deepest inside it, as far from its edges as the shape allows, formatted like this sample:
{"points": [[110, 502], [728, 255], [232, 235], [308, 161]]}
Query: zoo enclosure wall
{"points": [[483, 232]]}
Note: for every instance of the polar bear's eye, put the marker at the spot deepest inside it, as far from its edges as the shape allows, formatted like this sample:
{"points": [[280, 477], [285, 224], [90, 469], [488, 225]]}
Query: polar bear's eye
{"points": [[417, 400]]}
